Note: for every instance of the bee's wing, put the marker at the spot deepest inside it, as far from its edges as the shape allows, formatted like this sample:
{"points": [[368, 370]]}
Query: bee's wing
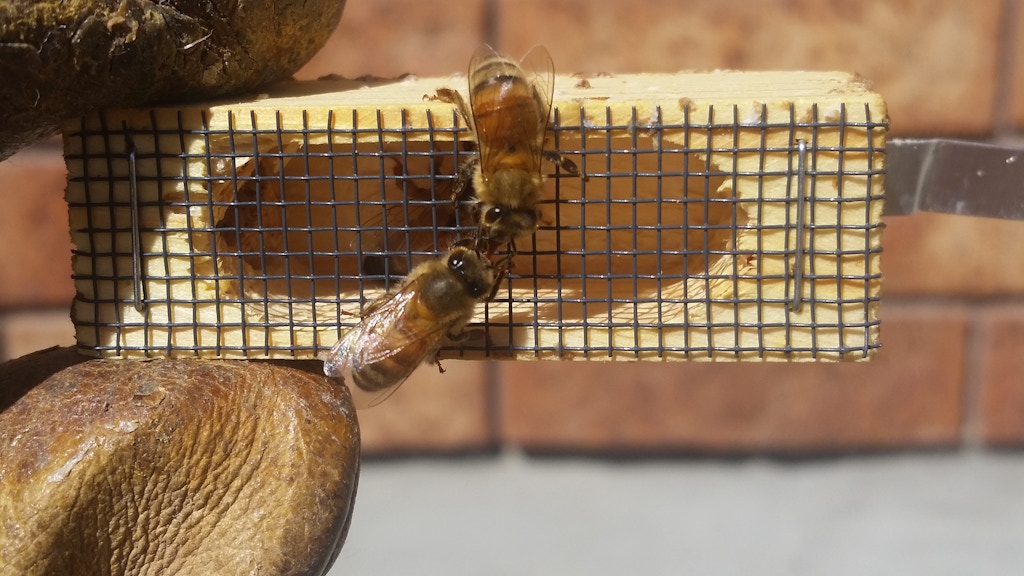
{"points": [[384, 332], [389, 324], [365, 341], [338, 360], [539, 73]]}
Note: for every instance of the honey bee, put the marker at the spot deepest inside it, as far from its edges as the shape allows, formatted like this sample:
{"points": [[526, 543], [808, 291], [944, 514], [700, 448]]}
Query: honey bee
{"points": [[402, 329], [509, 114]]}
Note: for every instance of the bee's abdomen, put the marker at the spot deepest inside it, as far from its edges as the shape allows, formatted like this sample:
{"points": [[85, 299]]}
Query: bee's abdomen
{"points": [[390, 371], [375, 377], [496, 71], [504, 107]]}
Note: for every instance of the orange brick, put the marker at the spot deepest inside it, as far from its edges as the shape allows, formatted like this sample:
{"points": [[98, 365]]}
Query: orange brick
{"points": [[1016, 68], [25, 332], [433, 412], [1002, 375], [935, 62], [392, 37], [944, 254], [910, 395], [35, 246]]}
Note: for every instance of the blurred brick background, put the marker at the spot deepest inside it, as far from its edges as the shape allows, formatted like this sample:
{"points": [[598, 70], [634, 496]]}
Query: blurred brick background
{"points": [[950, 370]]}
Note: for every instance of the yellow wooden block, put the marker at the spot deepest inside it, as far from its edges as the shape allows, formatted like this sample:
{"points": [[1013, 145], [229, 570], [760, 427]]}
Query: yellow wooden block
{"points": [[724, 215]]}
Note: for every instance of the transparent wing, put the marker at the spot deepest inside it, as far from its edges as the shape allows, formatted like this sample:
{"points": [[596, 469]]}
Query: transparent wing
{"points": [[540, 73], [516, 122], [384, 332]]}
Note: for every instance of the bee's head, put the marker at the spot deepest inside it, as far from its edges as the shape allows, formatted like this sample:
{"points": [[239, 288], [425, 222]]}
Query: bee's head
{"points": [[471, 269], [507, 205], [501, 224]]}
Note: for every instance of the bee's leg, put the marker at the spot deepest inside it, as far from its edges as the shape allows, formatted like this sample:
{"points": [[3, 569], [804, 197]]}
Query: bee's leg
{"points": [[497, 285], [482, 244], [510, 253], [468, 167], [504, 266], [463, 335], [449, 96], [562, 162], [462, 187], [351, 314], [437, 360], [466, 243]]}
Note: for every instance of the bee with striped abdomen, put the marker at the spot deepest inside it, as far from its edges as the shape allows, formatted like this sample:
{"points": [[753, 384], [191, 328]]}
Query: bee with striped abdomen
{"points": [[509, 115], [402, 329]]}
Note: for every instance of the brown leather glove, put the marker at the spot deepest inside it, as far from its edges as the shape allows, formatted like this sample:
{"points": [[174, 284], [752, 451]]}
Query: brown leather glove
{"points": [[172, 467], [62, 59]]}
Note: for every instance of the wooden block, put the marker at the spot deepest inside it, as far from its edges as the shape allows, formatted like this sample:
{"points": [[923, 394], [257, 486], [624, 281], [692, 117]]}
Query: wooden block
{"points": [[724, 215]]}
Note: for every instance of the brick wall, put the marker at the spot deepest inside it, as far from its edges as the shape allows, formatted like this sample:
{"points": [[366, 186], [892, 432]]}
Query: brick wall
{"points": [[950, 369]]}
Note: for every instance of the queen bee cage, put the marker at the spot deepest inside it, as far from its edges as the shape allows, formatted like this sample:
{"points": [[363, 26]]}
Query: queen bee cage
{"points": [[723, 216]]}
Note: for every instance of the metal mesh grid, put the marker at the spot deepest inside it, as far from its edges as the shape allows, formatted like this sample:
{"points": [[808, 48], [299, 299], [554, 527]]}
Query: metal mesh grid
{"points": [[262, 240]]}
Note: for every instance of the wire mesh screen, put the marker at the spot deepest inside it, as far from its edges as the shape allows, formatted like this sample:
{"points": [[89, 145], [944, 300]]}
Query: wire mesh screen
{"points": [[698, 231]]}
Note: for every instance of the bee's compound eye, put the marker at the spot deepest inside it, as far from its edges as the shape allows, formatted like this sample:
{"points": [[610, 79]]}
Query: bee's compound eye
{"points": [[456, 263], [494, 214]]}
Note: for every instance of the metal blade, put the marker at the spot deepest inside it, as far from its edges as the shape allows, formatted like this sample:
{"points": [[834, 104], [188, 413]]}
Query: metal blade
{"points": [[954, 177]]}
